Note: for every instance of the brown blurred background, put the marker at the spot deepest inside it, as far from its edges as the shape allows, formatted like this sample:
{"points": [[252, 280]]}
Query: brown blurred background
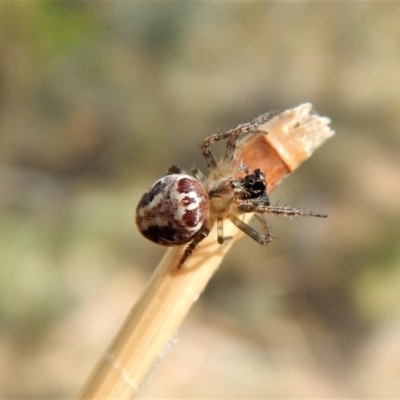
{"points": [[97, 99]]}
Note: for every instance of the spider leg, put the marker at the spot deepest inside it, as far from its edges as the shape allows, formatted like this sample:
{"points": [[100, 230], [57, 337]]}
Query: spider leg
{"points": [[251, 126], [205, 146], [249, 207], [248, 230], [200, 236], [233, 135], [264, 224], [220, 230], [173, 169], [197, 174]]}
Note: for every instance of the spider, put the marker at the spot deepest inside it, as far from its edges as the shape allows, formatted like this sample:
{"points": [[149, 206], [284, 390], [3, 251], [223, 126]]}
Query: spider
{"points": [[182, 208]]}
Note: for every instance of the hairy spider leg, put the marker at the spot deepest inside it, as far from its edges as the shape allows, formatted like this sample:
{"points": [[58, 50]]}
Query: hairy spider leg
{"points": [[233, 135], [248, 230], [264, 224], [278, 210], [262, 208], [250, 127], [198, 237], [205, 146]]}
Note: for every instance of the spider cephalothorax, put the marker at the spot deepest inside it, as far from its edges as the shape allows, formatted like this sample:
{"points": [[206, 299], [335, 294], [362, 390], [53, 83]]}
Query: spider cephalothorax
{"points": [[182, 208]]}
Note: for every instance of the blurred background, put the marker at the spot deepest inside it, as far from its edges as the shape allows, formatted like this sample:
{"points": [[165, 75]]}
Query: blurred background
{"points": [[97, 99]]}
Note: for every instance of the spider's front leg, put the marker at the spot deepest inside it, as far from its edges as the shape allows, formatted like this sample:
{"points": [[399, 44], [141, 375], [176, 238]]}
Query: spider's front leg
{"points": [[233, 136], [209, 158], [254, 207], [250, 127]]}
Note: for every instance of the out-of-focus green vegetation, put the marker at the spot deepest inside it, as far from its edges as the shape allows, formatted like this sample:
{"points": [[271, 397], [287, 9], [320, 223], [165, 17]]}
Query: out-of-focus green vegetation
{"points": [[97, 99]]}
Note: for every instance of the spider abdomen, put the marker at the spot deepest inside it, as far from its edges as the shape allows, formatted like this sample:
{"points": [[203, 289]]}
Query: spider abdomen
{"points": [[173, 210]]}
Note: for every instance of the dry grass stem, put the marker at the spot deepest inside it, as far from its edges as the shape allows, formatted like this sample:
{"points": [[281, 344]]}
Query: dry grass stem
{"points": [[292, 137]]}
